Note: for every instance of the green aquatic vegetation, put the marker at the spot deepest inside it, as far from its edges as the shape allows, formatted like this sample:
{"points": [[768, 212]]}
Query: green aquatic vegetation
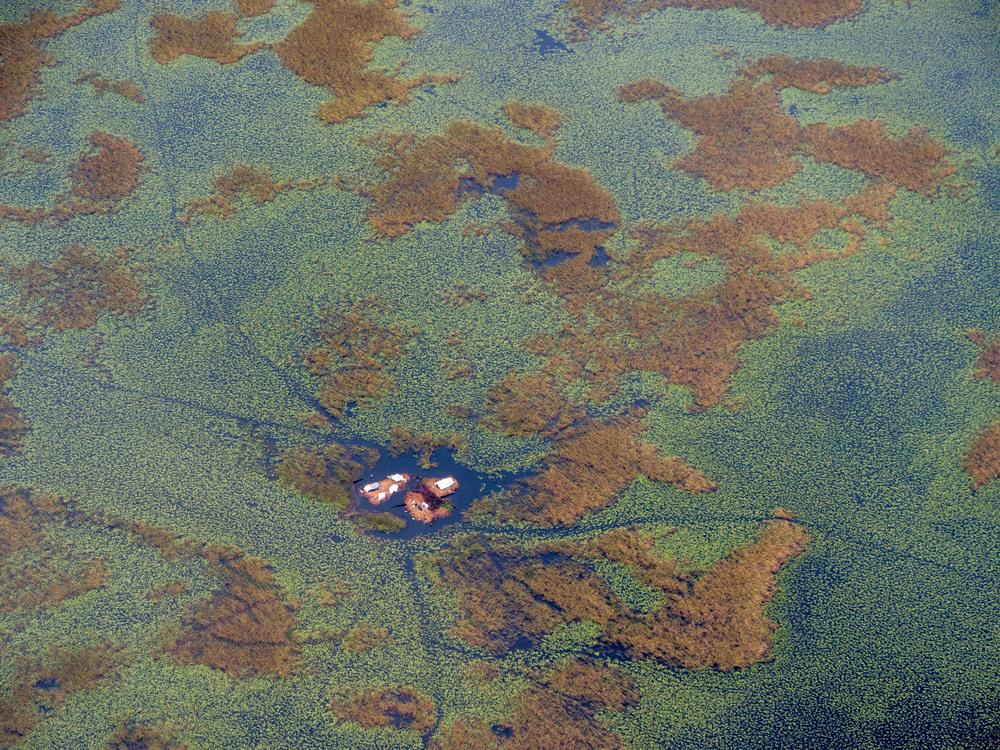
{"points": [[385, 521], [218, 400]]}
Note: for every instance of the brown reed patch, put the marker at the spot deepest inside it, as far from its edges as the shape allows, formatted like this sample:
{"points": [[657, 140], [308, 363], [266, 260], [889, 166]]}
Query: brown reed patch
{"points": [[107, 172], [13, 424], [366, 636], [916, 161], [101, 86], [558, 710], [48, 683], [333, 48], [748, 140], [711, 618], [988, 363], [427, 179], [538, 117], [351, 355], [246, 180], [531, 404], [588, 15], [982, 461], [76, 289], [211, 35], [251, 8], [402, 707], [587, 471], [23, 52], [131, 736], [717, 620], [246, 627]]}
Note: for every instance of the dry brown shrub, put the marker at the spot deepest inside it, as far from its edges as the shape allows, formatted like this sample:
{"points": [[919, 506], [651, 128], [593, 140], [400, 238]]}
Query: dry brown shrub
{"points": [[13, 424], [587, 471], [110, 171], [352, 352], [131, 736], [333, 48], [397, 707], [982, 461], [251, 8], [559, 710], [102, 86], [427, 179], [246, 627], [50, 682], [538, 117], [365, 637], [212, 36], [23, 52], [73, 291], [747, 140], [712, 618], [587, 15]]}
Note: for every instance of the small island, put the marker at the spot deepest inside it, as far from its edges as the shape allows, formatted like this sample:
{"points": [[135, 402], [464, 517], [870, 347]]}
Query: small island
{"points": [[427, 502], [378, 492]]}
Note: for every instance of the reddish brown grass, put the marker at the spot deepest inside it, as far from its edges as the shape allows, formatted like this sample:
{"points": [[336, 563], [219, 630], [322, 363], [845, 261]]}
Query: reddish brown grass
{"points": [[23, 46], [397, 707], [212, 36], [538, 117], [352, 352], [246, 627], [75, 290], [13, 424], [101, 86], [425, 180], [712, 618], [333, 48], [587, 15]]}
